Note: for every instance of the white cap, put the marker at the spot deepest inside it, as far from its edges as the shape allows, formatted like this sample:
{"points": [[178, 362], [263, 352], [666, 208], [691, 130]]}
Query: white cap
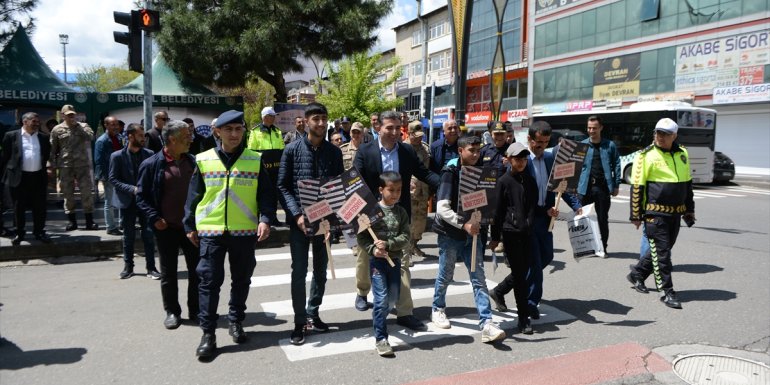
{"points": [[214, 123], [268, 111], [667, 125]]}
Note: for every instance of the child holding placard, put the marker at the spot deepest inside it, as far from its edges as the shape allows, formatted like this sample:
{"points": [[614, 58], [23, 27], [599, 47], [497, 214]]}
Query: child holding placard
{"points": [[392, 238]]}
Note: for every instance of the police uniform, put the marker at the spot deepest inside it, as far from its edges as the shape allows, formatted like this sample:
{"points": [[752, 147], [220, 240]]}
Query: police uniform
{"points": [[230, 195], [491, 156], [661, 193], [71, 154], [268, 141], [420, 195]]}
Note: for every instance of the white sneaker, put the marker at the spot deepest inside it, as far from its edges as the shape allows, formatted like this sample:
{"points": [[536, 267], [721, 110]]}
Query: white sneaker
{"points": [[491, 332], [384, 349], [438, 317]]}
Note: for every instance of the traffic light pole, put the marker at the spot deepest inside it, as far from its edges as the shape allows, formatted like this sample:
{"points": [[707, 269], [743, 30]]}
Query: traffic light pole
{"points": [[147, 59]]}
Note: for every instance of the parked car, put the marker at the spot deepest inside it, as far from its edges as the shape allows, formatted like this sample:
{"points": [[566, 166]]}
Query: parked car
{"points": [[724, 168]]}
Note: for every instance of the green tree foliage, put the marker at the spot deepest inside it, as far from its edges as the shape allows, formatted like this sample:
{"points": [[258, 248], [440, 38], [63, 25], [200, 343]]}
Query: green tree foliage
{"points": [[356, 88], [256, 95], [98, 78], [228, 42], [13, 14]]}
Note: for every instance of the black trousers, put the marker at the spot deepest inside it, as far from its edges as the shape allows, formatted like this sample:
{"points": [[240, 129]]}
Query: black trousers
{"points": [[169, 241], [30, 193], [662, 233], [211, 271], [600, 196], [517, 252]]}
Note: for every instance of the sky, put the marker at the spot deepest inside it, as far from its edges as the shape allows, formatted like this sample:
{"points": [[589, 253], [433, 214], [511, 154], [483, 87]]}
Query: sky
{"points": [[89, 24]]}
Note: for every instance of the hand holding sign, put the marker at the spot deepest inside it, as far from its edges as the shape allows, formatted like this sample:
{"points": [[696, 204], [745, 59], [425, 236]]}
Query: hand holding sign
{"points": [[559, 190], [325, 228], [352, 209]]}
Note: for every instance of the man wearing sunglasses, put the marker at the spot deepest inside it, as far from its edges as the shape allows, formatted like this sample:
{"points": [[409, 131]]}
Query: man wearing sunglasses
{"points": [[154, 140]]}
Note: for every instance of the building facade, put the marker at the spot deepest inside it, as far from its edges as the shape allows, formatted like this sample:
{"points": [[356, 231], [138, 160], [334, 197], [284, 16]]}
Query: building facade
{"points": [[595, 54]]}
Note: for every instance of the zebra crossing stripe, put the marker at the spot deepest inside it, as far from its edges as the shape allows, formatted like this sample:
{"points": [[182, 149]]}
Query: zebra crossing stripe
{"points": [[337, 341], [285, 279], [287, 256], [346, 300]]}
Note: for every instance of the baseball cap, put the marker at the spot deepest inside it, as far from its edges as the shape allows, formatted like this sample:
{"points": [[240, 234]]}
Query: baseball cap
{"points": [[356, 127], [415, 128], [517, 150], [228, 117], [345, 119], [67, 109], [268, 111], [667, 125]]}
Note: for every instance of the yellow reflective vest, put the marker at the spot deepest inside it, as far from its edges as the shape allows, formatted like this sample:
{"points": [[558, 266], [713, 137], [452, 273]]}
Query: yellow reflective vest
{"points": [[269, 139], [230, 201], [661, 183]]}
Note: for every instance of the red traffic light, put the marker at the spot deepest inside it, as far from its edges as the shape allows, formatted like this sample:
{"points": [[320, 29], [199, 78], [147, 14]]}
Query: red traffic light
{"points": [[149, 20]]}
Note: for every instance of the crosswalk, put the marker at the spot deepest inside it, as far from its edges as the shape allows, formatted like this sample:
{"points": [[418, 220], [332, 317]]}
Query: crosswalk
{"points": [[338, 341], [703, 192]]}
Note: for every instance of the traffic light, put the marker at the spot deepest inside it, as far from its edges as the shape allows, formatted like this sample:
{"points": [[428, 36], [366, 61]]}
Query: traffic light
{"points": [[149, 20], [132, 38]]}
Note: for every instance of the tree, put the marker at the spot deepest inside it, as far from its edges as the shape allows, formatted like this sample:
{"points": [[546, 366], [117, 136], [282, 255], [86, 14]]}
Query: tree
{"points": [[256, 95], [98, 78], [229, 42], [356, 88], [14, 14]]}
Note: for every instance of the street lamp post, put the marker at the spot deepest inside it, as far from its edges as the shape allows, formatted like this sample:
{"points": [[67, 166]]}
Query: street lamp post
{"points": [[64, 40]]}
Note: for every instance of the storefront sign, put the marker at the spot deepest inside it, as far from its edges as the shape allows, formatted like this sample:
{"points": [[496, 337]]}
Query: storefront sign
{"points": [[549, 5], [616, 77], [724, 62], [581, 105], [742, 94], [516, 115]]}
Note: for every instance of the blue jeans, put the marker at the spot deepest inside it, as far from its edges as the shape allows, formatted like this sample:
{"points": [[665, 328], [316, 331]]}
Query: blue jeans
{"points": [[541, 255], [128, 219], [109, 210], [299, 244], [386, 285], [449, 252]]}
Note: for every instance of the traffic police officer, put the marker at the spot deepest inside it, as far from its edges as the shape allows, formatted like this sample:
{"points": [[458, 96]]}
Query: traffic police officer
{"points": [[229, 204], [267, 139], [420, 192], [661, 194]]}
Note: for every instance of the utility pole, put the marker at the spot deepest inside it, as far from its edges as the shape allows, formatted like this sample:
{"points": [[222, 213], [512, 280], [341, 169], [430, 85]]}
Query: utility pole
{"points": [[147, 64]]}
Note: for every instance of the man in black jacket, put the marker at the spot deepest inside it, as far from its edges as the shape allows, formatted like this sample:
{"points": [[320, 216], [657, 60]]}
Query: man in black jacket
{"points": [[24, 156], [372, 159]]}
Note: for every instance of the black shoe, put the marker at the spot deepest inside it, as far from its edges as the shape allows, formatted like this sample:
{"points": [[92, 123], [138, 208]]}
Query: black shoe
{"points": [[498, 300], [127, 272], [670, 300], [43, 237], [362, 304], [411, 322], [114, 232], [71, 226], [207, 346], [236, 331], [91, 226], [315, 324], [534, 313], [637, 284], [525, 327], [172, 321], [298, 335], [153, 274], [4, 232], [17, 240]]}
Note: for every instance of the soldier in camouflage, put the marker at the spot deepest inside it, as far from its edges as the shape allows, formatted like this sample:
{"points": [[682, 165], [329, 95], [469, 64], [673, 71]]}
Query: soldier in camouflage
{"points": [[420, 192], [71, 155]]}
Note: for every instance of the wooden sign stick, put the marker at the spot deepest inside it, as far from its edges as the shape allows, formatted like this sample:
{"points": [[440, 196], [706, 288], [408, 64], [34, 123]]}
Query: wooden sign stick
{"points": [[324, 225], [374, 236], [365, 224], [475, 219], [560, 189]]}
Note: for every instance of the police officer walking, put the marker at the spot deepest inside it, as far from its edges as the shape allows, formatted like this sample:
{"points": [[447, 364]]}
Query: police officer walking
{"points": [[493, 155], [661, 194], [267, 139], [228, 208], [420, 192]]}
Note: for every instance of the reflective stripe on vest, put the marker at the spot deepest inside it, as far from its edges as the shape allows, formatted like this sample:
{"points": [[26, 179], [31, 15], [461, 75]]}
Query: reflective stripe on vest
{"points": [[260, 140], [230, 201]]}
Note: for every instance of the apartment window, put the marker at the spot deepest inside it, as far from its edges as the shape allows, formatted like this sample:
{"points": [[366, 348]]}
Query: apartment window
{"points": [[404, 71], [417, 68], [437, 30], [417, 37], [440, 61], [379, 78]]}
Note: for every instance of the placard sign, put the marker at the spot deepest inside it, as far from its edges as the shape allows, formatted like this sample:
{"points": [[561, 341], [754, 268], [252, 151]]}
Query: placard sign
{"points": [[346, 194], [318, 210], [474, 200], [352, 207], [477, 187], [567, 165]]}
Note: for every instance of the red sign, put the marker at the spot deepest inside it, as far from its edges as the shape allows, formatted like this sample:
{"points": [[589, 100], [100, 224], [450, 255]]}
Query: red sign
{"points": [[561, 171], [318, 210], [581, 105], [352, 207], [474, 200], [477, 117], [751, 75]]}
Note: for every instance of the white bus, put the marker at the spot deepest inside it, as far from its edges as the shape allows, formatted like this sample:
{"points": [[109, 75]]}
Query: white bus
{"points": [[632, 128]]}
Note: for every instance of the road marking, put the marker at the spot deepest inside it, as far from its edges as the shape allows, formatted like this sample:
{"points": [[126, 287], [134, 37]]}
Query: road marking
{"points": [[346, 300], [285, 279], [349, 341], [287, 256]]}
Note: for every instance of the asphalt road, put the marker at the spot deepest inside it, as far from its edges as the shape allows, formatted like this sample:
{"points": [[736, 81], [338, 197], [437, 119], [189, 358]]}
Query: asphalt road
{"points": [[77, 323]]}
